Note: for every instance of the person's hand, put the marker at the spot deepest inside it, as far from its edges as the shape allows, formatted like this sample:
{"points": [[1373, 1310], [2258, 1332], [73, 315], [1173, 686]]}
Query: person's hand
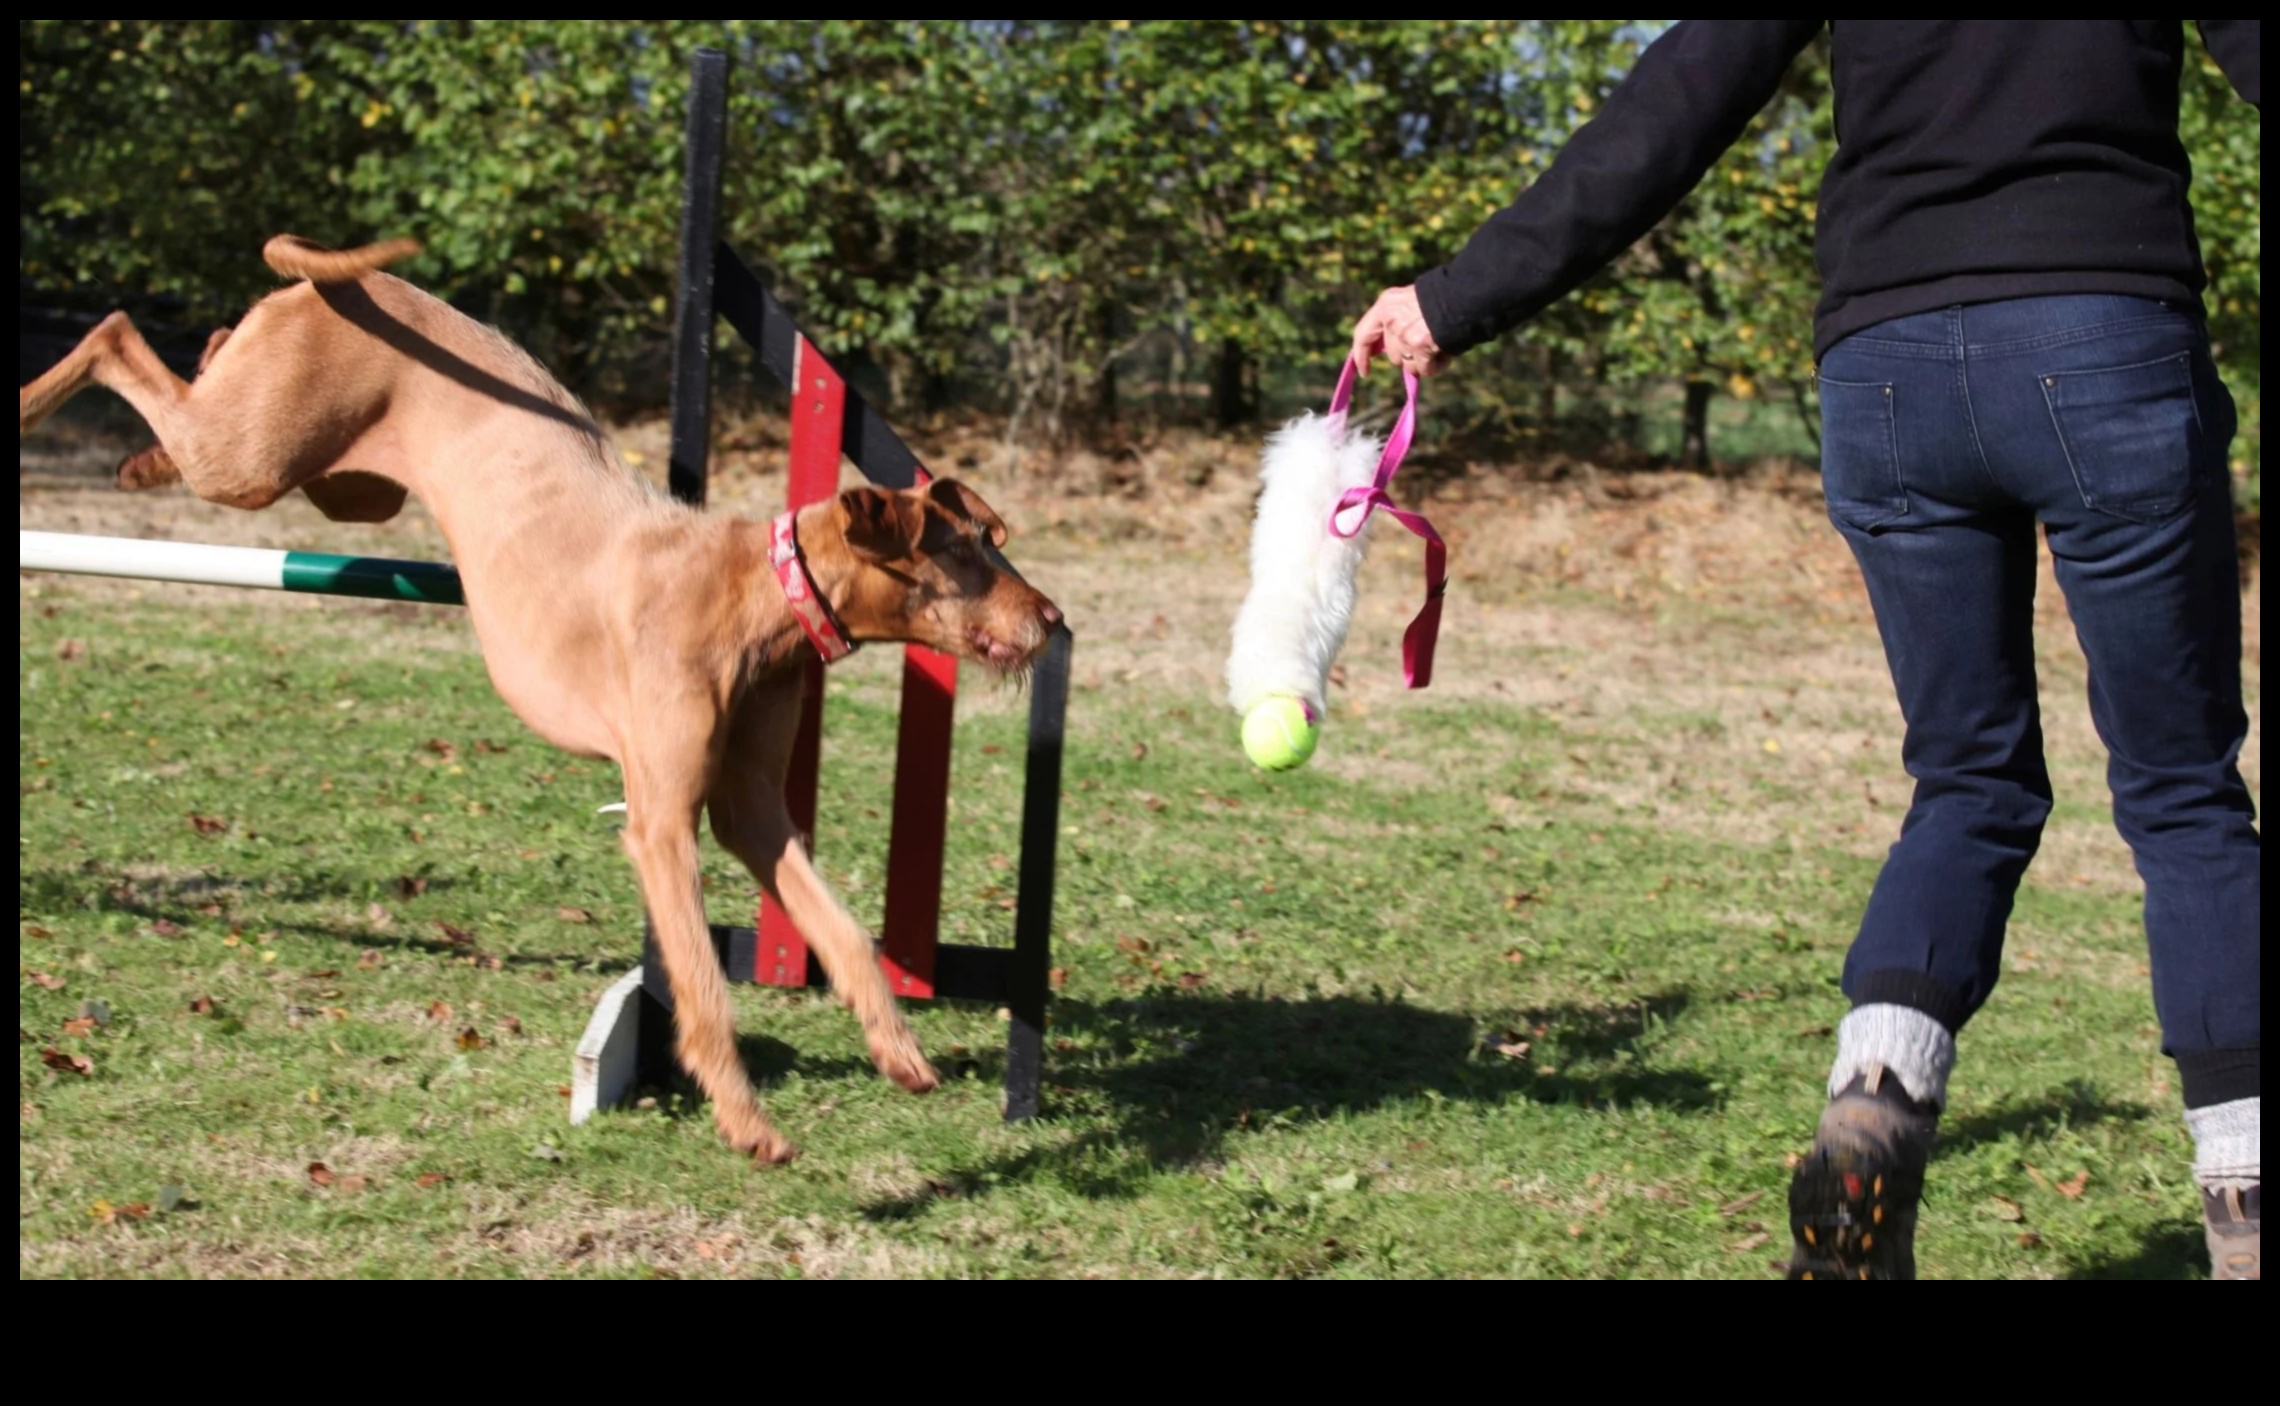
{"points": [[1394, 328]]}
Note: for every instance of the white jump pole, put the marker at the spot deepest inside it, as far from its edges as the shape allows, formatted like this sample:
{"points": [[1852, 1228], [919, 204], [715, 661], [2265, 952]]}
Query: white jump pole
{"points": [[312, 573]]}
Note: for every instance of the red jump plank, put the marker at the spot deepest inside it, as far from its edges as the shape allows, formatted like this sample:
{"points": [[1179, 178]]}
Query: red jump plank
{"points": [[819, 406]]}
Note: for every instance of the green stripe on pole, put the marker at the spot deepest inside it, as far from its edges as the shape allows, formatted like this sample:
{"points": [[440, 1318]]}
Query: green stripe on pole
{"points": [[323, 574]]}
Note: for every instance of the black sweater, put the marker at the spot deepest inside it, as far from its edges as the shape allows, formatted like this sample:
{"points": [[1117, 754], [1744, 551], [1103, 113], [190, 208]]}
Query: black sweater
{"points": [[1976, 160]]}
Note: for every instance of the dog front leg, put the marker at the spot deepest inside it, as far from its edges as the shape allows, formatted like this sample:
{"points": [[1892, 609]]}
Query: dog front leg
{"points": [[750, 820], [661, 838]]}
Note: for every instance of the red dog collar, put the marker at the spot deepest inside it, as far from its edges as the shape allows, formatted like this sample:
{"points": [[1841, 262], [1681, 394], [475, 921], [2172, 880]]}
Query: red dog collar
{"points": [[808, 606]]}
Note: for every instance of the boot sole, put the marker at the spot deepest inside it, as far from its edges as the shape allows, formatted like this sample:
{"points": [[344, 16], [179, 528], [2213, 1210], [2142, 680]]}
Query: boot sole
{"points": [[1852, 1217]]}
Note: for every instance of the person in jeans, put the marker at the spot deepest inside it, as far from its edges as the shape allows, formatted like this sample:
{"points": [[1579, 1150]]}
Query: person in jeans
{"points": [[2010, 332]]}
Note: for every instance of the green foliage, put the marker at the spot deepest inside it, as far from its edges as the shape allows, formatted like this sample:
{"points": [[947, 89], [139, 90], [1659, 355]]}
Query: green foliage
{"points": [[1012, 210]]}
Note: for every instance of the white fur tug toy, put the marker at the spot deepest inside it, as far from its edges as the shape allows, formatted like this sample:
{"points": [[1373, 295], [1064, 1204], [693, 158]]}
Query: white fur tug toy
{"points": [[1321, 484]]}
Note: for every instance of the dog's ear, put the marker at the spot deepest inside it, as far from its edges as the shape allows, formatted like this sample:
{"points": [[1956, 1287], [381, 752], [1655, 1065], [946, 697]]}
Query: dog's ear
{"points": [[880, 525], [960, 501]]}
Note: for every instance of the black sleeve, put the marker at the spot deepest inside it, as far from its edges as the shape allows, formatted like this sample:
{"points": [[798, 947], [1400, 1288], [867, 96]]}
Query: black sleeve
{"points": [[1689, 97], [2238, 48]]}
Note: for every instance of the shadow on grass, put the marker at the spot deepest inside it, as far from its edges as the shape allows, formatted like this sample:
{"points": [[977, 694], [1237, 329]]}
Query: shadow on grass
{"points": [[180, 901], [1175, 1075], [2075, 1104], [2175, 1250]]}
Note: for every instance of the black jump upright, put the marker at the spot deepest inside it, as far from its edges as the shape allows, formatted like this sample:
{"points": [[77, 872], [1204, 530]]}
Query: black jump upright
{"points": [[715, 284]]}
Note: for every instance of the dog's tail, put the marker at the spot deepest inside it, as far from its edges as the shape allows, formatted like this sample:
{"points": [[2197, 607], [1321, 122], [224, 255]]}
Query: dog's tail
{"points": [[296, 257]]}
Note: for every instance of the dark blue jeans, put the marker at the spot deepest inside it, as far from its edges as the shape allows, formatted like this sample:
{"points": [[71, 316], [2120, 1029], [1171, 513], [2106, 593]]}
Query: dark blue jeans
{"points": [[1946, 437]]}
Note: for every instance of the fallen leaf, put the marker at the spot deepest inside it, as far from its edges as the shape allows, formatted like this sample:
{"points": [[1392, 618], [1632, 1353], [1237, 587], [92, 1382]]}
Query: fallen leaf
{"points": [[1139, 751], [1749, 1242], [352, 1184], [408, 886], [379, 917], [322, 974], [210, 910], [1512, 1049], [1792, 1160], [46, 982], [2005, 1209], [456, 936], [469, 1040], [512, 1025], [573, 915], [1132, 944], [443, 749], [1191, 980], [208, 824], [35, 930], [1515, 956], [97, 1011], [2071, 1188], [2030, 1240], [69, 650], [1740, 1204], [368, 960], [203, 1005], [80, 1025], [487, 962], [546, 1152], [172, 1198], [427, 1179], [63, 1063], [1058, 977], [490, 749], [1514, 901], [563, 1089], [439, 1011], [166, 929], [321, 1175]]}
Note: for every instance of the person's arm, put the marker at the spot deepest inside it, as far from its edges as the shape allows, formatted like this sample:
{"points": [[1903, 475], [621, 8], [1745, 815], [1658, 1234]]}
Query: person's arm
{"points": [[1689, 97], [2238, 48]]}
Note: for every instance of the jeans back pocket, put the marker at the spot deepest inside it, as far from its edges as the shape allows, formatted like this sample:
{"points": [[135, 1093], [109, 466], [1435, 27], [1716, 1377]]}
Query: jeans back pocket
{"points": [[2132, 435], [1860, 454]]}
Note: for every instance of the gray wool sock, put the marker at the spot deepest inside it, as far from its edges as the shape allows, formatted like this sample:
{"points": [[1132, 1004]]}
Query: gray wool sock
{"points": [[1916, 1049], [2228, 1143]]}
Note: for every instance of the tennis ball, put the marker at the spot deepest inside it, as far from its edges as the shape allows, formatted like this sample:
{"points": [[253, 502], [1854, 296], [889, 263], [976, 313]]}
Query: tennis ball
{"points": [[1279, 734]]}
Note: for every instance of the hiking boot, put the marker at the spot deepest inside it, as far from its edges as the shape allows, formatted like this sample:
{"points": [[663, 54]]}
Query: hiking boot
{"points": [[2234, 1219], [1852, 1202]]}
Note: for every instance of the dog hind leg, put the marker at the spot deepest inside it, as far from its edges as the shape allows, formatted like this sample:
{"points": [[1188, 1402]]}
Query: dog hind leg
{"points": [[113, 355]]}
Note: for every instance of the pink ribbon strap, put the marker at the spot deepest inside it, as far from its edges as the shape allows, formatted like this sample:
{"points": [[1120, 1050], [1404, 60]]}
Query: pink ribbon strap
{"points": [[1424, 631]]}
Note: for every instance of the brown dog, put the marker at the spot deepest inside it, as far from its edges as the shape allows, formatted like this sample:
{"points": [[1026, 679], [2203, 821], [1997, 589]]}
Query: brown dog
{"points": [[615, 622]]}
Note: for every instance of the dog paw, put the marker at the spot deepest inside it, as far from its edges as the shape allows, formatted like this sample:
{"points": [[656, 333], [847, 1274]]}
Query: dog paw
{"points": [[152, 468], [898, 1058], [775, 1152], [757, 1139]]}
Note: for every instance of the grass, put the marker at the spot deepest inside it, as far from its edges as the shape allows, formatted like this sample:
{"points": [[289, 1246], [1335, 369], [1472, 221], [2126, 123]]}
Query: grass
{"points": [[1440, 1005]]}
